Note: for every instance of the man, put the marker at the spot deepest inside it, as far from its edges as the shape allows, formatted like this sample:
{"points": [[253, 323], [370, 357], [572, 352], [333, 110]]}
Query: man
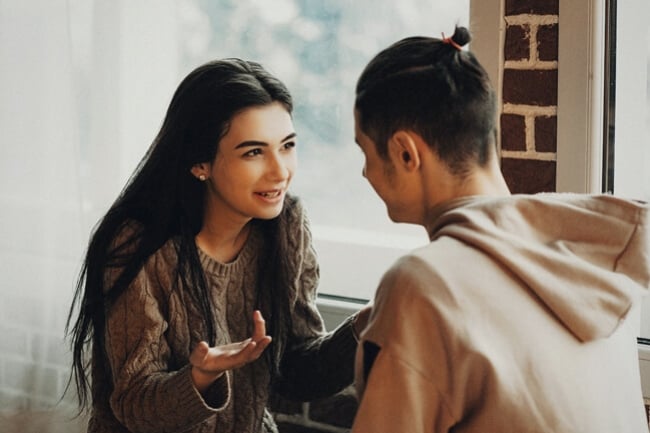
{"points": [[519, 315]]}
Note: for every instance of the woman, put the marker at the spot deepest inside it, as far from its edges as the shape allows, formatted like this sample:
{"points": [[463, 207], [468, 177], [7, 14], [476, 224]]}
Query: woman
{"points": [[202, 246]]}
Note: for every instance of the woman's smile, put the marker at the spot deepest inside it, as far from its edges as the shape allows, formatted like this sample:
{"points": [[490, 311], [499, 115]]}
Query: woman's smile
{"points": [[271, 195]]}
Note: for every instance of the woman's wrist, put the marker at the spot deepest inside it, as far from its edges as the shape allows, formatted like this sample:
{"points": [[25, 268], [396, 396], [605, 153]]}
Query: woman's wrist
{"points": [[202, 380]]}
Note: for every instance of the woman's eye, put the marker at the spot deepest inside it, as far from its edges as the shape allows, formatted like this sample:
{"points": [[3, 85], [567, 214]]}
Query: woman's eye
{"points": [[289, 144], [253, 152]]}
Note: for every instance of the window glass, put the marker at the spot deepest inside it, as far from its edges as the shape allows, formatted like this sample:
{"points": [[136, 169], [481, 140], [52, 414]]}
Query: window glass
{"points": [[629, 125], [124, 81]]}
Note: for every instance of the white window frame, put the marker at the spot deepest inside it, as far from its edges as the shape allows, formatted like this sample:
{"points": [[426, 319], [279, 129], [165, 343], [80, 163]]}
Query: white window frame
{"points": [[580, 96], [581, 77], [581, 111]]}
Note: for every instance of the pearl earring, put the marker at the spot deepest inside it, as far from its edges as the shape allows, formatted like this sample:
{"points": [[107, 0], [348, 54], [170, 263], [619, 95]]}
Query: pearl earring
{"points": [[202, 177]]}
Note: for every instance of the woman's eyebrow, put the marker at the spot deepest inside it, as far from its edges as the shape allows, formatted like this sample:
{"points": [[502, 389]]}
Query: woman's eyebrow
{"points": [[250, 143]]}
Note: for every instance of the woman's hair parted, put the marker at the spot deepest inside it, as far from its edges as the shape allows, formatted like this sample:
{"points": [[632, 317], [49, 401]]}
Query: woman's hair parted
{"points": [[163, 200], [434, 88]]}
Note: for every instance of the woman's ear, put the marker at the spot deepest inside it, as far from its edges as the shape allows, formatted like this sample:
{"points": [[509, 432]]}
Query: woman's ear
{"points": [[201, 171], [403, 150]]}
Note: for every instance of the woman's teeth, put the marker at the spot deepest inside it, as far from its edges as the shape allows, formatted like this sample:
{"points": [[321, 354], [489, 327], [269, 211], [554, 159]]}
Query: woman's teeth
{"points": [[272, 194]]}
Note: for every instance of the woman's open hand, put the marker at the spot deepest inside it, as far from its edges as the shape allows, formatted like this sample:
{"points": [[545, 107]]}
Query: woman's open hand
{"points": [[208, 363]]}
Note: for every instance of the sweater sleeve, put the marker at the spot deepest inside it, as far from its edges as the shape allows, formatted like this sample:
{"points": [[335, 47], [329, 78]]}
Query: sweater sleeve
{"points": [[316, 364], [148, 395]]}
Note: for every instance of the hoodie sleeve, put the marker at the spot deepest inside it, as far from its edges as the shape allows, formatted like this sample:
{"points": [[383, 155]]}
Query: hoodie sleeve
{"points": [[404, 388], [398, 398]]}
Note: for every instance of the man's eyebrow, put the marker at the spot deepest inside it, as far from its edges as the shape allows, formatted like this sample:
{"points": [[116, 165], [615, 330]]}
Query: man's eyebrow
{"points": [[252, 143]]}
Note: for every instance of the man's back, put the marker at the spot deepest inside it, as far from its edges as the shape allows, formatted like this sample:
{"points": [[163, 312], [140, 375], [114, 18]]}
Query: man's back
{"points": [[468, 341]]}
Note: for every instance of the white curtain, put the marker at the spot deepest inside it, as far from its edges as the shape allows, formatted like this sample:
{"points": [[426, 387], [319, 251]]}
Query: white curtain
{"points": [[78, 107]]}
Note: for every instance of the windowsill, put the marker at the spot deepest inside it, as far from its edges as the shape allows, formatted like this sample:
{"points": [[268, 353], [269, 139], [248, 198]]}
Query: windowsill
{"points": [[335, 310]]}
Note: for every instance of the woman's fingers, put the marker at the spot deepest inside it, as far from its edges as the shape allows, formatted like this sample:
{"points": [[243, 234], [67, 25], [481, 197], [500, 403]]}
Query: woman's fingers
{"points": [[262, 344], [246, 351], [259, 326], [199, 354], [234, 355]]}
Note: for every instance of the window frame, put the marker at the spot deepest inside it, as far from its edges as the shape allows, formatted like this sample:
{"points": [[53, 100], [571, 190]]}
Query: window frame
{"points": [[581, 94]]}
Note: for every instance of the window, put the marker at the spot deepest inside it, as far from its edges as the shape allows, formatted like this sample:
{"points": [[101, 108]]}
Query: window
{"points": [[317, 48], [604, 103], [629, 127], [84, 93]]}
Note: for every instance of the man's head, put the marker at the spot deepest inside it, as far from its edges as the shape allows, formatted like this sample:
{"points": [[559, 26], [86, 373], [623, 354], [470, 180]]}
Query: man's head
{"points": [[433, 90]]}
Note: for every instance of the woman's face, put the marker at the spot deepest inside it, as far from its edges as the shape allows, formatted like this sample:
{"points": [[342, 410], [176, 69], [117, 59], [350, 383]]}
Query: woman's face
{"points": [[254, 165]]}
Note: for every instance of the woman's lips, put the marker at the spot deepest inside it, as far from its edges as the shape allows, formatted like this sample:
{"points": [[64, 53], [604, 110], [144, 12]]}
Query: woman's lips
{"points": [[271, 196]]}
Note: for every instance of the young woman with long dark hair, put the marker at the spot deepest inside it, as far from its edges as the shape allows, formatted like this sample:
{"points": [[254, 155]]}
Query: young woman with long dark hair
{"points": [[202, 253]]}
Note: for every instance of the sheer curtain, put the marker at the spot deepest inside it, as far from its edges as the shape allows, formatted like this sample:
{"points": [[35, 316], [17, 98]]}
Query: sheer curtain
{"points": [[75, 92]]}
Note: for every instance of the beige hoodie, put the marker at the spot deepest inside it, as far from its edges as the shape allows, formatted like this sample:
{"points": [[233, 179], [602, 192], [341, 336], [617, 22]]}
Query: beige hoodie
{"points": [[513, 319]]}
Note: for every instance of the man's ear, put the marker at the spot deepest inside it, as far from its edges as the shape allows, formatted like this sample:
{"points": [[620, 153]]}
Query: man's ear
{"points": [[403, 150]]}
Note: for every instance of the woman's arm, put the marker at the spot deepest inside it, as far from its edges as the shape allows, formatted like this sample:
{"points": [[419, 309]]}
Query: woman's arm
{"points": [[319, 366], [149, 394], [315, 364]]}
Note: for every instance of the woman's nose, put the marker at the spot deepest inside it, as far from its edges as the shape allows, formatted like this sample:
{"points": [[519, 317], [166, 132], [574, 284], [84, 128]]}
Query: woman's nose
{"points": [[279, 167]]}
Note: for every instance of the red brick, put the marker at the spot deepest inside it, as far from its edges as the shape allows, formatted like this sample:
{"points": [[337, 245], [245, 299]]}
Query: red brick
{"points": [[547, 37], [546, 134], [528, 176], [513, 132], [530, 87], [517, 45], [534, 7]]}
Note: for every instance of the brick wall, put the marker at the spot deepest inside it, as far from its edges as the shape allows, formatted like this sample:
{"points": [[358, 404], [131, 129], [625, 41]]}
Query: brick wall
{"points": [[529, 111]]}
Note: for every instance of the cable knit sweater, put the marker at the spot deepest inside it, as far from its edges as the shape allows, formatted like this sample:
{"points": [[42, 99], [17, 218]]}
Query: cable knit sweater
{"points": [[152, 329]]}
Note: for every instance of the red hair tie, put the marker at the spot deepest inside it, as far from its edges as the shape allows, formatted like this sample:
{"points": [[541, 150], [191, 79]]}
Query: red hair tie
{"points": [[451, 42]]}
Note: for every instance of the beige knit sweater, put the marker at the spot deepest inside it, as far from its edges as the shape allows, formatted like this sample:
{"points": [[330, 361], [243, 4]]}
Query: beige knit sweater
{"points": [[152, 329]]}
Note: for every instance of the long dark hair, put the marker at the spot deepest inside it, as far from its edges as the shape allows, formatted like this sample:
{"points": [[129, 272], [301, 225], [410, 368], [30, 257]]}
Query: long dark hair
{"points": [[162, 200], [434, 88]]}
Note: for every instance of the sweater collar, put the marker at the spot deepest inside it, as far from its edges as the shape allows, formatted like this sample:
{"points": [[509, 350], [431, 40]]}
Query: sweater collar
{"points": [[243, 260]]}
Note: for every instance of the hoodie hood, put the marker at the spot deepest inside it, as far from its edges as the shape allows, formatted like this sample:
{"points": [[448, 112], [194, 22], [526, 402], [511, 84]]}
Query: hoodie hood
{"points": [[586, 257]]}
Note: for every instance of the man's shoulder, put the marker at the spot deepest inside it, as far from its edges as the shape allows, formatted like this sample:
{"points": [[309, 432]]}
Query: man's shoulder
{"points": [[432, 257]]}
